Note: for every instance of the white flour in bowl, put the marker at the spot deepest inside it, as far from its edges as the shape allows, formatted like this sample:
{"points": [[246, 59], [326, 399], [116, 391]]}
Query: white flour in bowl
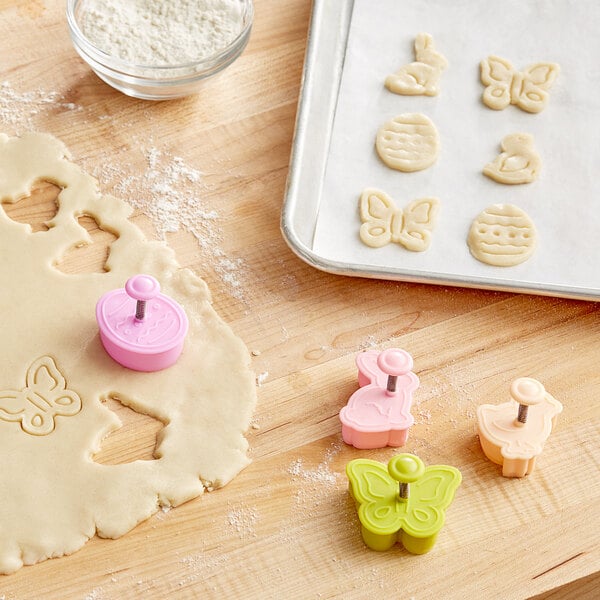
{"points": [[161, 32]]}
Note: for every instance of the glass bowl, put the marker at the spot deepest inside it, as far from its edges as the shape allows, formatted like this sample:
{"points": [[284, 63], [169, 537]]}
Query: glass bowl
{"points": [[150, 82]]}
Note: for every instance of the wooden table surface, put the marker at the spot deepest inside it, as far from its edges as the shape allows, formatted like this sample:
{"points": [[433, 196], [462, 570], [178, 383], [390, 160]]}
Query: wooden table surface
{"points": [[285, 527]]}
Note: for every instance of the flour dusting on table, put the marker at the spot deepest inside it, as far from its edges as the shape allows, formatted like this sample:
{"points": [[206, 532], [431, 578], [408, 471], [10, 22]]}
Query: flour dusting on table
{"points": [[316, 483], [242, 519], [168, 191], [19, 108]]}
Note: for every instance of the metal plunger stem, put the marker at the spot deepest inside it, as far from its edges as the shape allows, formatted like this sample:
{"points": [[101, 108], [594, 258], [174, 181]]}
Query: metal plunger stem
{"points": [[391, 383], [522, 415], [140, 310], [403, 490]]}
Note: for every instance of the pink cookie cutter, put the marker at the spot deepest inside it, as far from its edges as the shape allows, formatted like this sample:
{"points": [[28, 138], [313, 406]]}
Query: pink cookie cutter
{"points": [[378, 414], [141, 328], [513, 434]]}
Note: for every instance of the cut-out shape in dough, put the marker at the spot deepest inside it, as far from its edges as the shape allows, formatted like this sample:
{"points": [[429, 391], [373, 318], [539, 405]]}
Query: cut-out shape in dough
{"points": [[205, 400], [408, 142], [518, 163], [527, 89], [419, 78], [36, 208], [383, 223], [86, 257], [502, 235], [136, 439], [44, 398]]}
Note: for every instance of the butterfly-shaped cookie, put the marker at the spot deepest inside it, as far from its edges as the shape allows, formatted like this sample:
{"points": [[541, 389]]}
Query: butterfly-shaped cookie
{"points": [[383, 223], [505, 85], [404, 502], [43, 399]]}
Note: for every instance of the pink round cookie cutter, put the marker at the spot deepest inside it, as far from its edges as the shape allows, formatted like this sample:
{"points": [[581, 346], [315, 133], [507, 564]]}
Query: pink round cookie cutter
{"points": [[378, 413], [141, 328]]}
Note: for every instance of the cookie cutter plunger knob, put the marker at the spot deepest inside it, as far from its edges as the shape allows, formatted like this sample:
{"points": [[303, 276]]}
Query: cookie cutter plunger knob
{"points": [[405, 469], [142, 288], [394, 363], [527, 392]]}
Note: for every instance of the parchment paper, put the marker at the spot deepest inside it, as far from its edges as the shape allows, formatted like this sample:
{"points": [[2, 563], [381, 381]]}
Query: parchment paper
{"points": [[564, 202]]}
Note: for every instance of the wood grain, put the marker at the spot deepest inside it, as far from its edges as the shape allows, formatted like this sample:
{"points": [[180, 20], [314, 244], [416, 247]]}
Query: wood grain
{"points": [[285, 527]]}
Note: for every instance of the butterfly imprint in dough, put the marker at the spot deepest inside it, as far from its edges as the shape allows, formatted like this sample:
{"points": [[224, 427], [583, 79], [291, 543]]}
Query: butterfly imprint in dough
{"points": [[44, 398], [505, 85], [383, 223]]}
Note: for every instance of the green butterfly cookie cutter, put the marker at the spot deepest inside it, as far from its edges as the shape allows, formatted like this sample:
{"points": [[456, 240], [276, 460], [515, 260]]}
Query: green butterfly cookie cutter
{"points": [[404, 502]]}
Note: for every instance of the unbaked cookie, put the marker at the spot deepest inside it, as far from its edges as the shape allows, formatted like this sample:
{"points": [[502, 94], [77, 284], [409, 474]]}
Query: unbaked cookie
{"points": [[518, 163], [505, 85], [383, 223], [408, 142], [422, 77], [502, 235]]}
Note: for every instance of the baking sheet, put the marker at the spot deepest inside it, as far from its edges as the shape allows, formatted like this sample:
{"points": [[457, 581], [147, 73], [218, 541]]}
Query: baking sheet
{"points": [[353, 47]]}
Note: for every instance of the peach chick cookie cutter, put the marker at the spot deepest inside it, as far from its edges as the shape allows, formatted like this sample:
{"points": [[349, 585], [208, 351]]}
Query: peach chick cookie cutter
{"points": [[378, 413], [419, 78], [518, 162], [383, 222], [404, 502], [505, 85], [513, 434]]}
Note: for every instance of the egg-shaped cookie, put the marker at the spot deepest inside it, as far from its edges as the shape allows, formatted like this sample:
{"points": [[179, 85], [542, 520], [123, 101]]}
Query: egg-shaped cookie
{"points": [[408, 142], [502, 235]]}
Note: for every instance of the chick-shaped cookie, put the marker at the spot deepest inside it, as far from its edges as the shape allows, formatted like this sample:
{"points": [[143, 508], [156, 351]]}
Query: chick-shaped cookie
{"points": [[419, 78], [518, 162]]}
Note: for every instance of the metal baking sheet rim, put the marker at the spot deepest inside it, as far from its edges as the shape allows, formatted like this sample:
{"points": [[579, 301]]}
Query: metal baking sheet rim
{"points": [[323, 65]]}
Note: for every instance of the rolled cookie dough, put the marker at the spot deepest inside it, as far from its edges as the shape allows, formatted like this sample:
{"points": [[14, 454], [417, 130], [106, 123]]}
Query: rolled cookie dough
{"points": [[54, 496]]}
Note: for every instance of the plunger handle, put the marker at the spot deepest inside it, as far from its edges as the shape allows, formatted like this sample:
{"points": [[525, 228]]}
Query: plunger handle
{"points": [[142, 288], [527, 392]]}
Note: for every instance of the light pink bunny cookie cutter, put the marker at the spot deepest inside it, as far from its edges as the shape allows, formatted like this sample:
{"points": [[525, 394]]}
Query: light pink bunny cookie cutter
{"points": [[141, 328], [378, 413]]}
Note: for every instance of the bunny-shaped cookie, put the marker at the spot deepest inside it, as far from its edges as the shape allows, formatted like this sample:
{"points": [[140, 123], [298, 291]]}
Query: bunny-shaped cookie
{"points": [[419, 78]]}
